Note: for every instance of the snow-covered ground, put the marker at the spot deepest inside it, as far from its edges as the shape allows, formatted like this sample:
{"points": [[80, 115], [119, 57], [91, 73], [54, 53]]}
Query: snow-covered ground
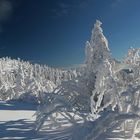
{"points": [[17, 121]]}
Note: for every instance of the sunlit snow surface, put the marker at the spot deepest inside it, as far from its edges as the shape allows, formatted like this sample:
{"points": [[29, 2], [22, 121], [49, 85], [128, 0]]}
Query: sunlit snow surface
{"points": [[17, 123]]}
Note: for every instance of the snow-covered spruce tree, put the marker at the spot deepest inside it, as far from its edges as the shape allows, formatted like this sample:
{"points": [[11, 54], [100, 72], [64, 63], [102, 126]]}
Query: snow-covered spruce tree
{"points": [[97, 48], [76, 93], [97, 51], [107, 89], [117, 93]]}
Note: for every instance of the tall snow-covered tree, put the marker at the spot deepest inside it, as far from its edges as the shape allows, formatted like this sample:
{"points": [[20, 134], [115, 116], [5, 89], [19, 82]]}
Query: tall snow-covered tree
{"points": [[107, 92]]}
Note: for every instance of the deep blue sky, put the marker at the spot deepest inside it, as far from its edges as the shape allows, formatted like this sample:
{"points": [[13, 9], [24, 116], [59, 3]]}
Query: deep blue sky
{"points": [[54, 32]]}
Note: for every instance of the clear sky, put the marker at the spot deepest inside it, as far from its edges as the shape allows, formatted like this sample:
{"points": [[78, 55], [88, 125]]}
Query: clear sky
{"points": [[54, 32]]}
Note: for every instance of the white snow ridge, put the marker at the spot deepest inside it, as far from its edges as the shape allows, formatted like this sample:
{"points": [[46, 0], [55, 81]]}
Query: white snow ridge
{"points": [[99, 100]]}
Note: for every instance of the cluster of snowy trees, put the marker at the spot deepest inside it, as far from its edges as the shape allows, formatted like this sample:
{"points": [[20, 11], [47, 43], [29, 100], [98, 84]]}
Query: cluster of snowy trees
{"points": [[107, 92], [20, 79], [103, 91]]}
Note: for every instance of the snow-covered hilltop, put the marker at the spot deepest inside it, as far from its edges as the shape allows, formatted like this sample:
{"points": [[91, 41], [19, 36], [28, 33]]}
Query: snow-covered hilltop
{"points": [[99, 100], [19, 79]]}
